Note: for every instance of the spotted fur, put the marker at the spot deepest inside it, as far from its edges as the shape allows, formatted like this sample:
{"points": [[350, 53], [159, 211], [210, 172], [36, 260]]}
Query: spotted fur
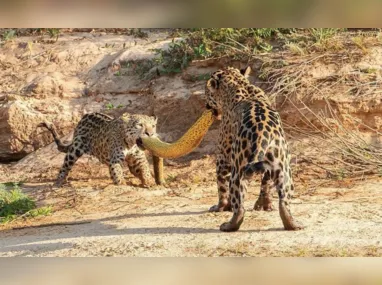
{"points": [[251, 140], [112, 141]]}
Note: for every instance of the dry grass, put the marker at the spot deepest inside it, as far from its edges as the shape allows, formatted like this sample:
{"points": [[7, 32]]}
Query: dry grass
{"points": [[289, 72], [291, 83], [350, 153]]}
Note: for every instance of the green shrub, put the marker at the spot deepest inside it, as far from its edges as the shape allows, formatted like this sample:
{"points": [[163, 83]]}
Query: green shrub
{"points": [[211, 43], [14, 203]]}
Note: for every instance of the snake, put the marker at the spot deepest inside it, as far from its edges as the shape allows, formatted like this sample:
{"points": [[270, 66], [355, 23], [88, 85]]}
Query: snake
{"points": [[183, 146]]}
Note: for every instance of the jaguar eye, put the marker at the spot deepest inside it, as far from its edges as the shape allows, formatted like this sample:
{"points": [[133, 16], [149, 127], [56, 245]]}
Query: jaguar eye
{"points": [[139, 125]]}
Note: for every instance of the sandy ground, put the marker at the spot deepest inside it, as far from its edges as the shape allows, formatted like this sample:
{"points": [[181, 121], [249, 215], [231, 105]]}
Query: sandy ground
{"points": [[343, 218]]}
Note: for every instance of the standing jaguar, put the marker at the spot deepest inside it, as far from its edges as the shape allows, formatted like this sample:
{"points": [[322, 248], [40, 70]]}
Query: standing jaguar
{"points": [[251, 140], [112, 141]]}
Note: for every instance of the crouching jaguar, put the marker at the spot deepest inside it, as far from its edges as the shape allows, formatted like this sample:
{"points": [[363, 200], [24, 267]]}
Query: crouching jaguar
{"points": [[112, 141]]}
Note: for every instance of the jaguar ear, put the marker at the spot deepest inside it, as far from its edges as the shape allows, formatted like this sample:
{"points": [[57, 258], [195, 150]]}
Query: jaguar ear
{"points": [[212, 85], [155, 118], [245, 71]]}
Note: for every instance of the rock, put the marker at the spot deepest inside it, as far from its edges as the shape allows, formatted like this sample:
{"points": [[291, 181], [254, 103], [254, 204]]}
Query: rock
{"points": [[19, 118], [17, 124], [54, 84], [139, 52]]}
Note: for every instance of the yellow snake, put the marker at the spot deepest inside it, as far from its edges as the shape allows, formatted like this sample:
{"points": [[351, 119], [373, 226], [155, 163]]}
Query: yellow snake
{"points": [[188, 142]]}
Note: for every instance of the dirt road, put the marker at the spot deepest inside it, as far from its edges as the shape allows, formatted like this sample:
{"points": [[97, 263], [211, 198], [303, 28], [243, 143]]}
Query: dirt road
{"points": [[341, 220]]}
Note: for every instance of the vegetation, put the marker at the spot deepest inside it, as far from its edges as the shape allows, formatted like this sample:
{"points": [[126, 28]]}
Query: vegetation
{"points": [[137, 67], [137, 33], [245, 44], [199, 44], [110, 106], [15, 204], [8, 34], [54, 33]]}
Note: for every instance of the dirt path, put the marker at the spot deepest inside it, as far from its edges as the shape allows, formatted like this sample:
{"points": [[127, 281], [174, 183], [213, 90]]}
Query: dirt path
{"points": [[173, 221]]}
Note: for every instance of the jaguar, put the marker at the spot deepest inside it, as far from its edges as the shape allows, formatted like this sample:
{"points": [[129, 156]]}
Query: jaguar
{"points": [[112, 141], [251, 141]]}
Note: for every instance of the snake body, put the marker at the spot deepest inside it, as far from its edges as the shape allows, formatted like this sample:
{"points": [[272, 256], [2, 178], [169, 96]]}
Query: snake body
{"points": [[188, 142]]}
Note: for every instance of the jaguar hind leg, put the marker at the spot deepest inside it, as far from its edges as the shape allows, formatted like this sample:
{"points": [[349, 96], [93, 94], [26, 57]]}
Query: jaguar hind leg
{"points": [[285, 192], [74, 153], [264, 202]]}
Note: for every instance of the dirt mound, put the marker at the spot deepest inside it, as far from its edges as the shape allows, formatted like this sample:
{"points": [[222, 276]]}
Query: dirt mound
{"points": [[87, 72], [63, 82]]}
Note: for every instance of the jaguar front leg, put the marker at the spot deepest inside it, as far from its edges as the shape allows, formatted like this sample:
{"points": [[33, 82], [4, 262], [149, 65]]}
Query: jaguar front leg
{"points": [[115, 168], [223, 171], [140, 168]]}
